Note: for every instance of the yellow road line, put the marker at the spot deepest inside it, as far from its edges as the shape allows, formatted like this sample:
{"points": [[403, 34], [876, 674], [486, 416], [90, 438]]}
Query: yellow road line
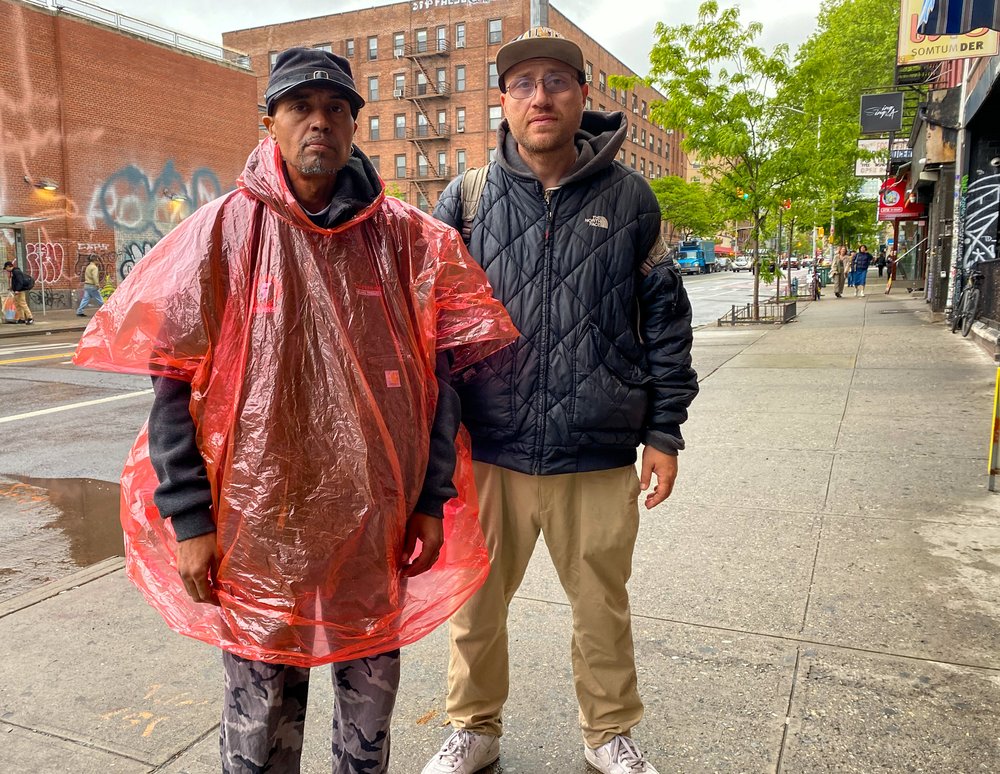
{"points": [[31, 359]]}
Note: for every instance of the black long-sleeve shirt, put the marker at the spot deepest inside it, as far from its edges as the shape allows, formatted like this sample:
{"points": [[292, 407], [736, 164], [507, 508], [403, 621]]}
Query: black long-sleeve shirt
{"points": [[184, 494]]}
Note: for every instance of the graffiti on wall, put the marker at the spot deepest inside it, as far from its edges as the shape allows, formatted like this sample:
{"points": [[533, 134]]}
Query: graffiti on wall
{"points": [[45, 260], [982, 208]]}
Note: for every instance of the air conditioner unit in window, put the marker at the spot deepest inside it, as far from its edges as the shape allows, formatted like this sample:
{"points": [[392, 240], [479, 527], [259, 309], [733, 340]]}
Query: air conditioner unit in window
{"points": [[397, 93], [460, 44], [670, 131], [460, 130]]}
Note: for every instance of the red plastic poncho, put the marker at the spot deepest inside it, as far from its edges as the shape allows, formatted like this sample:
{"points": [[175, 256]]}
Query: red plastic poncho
{"points": [[311, 358]]}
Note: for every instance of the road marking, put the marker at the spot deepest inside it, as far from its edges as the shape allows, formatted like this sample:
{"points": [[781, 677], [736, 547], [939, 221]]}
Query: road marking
{"points": [[31, 359], [34, 348], [71, 406]]}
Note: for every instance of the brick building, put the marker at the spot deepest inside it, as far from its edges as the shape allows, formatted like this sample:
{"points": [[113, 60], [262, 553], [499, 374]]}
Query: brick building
{"points": [[427, 69], [111, 132]]}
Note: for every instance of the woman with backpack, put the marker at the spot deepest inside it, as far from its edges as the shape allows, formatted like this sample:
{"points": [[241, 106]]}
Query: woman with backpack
{"points": [[20, 284]]}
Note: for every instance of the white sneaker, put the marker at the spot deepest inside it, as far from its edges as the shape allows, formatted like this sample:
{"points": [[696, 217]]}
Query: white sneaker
{"points": [[465, 752], [619, 756], [862, 294]]}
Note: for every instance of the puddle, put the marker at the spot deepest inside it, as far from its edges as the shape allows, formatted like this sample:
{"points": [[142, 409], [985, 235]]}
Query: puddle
{"points": [[52, 527]]}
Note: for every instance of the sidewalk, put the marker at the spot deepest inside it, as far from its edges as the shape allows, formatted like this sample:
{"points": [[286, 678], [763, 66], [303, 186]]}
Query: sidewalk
{"points": [[52, 321], [820, 594]]}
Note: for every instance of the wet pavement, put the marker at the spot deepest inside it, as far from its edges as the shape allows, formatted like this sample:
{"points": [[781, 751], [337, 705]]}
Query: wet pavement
{"points": [[53, 527]]}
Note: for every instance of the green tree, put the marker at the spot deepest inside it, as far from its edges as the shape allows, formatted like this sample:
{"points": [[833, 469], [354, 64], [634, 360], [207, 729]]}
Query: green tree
{"points": [[691, 208], [719, 86]]}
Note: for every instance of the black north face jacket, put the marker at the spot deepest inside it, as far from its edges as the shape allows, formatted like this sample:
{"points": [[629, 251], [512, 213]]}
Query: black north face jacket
{"points": [[604, 358]]}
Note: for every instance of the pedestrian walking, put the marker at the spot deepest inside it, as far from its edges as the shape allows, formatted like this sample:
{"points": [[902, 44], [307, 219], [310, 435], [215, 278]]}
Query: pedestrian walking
{"points": [[569, 238], [881, 261], [20, 283], [839, 270], [301, 331], [859, 270], [892, 263], [91, 287]]}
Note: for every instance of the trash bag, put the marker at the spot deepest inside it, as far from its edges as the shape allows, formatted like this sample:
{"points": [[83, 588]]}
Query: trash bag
{"points": [[311, 358], [9, 308]]}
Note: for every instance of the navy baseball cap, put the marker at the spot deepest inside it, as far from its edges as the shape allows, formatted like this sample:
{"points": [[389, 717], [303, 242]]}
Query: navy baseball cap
{"points": [[296, 67]]}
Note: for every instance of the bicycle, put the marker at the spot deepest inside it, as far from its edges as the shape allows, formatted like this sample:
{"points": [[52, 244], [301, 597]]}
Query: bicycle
{"points": [[966, 310]]}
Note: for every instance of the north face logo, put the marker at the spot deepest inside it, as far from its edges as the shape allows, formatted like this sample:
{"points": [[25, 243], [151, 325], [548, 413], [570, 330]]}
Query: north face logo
{"points": [[597, 221]]}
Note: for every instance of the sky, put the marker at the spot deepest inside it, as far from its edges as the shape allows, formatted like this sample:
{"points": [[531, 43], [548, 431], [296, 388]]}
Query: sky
{"points": [[624, 27]]}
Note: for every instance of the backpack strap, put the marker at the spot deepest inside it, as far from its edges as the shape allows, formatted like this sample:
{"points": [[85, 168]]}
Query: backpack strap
{"points": [[473, 183]]}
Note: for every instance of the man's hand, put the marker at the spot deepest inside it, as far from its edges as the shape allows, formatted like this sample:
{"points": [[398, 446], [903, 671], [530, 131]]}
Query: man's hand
{"points": [[665, 467], [198, 563], [430, 530]]}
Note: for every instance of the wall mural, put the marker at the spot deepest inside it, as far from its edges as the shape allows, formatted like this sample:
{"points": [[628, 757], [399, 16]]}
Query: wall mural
{"points": [[982, 208], [139, 208]]}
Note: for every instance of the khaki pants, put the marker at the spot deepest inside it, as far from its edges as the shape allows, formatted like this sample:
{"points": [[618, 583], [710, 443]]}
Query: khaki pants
{"points": [[22, 310], [838, 282], [589, 521]]}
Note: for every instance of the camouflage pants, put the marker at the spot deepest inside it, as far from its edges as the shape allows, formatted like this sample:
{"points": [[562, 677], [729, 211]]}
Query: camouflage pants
{"points": [[265, 712]]}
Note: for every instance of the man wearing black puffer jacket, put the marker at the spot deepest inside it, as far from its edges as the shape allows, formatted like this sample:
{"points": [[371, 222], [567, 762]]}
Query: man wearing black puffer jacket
{"points": [[570, 240]]}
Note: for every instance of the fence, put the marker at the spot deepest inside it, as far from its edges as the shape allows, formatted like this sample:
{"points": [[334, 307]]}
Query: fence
{"points": [[767, 313], [989, 305], [145, 30]]}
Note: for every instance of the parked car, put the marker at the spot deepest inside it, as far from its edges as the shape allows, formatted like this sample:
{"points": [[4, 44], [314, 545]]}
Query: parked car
{"points": [[723, 262], [742, 263]]}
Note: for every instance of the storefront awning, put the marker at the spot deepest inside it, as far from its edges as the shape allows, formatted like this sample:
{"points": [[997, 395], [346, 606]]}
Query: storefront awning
{"points": [[8, 221]]}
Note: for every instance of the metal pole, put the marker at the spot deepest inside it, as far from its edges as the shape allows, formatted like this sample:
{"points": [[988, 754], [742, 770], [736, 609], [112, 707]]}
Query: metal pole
{"points": [[957, 225], [777, 267], [41, 271]]}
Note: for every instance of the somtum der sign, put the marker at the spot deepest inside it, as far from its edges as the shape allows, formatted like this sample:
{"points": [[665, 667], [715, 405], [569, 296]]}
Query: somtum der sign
{"points": [[915, 48]]}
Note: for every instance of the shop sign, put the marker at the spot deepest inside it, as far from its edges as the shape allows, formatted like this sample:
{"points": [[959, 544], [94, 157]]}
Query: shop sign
{"points": [[894, 204], [881, 112], [915, 47]]}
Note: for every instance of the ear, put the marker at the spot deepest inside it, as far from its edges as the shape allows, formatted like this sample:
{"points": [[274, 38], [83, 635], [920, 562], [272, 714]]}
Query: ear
{"points": [[585, 88], [269, 123]]}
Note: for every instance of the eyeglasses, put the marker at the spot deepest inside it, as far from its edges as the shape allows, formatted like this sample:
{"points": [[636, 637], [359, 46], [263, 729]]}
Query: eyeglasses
{"points": [[553, 83]]}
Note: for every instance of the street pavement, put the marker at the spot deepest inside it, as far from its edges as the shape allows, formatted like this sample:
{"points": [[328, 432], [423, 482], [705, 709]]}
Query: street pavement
{"points": [[820, 594]]}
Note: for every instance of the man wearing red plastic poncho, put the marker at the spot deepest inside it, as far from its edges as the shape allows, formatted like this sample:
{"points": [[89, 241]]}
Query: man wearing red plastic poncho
{"points": [[300, 333]]}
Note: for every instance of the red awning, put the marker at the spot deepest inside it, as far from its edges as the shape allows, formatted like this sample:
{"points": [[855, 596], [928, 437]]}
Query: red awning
{"points": [[723, 250]]}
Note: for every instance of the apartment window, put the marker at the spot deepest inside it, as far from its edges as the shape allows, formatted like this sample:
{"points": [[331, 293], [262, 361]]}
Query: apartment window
{"points": [[271, 58], [423, 128], [460, 78], [422, 165], [422, 203], [398, 85], [623, 98], [602, 81], [633, 161], [459, 162], [460, 119], [349, 47], [442, 120], [495, 29], [376, 163], [667, 148], [494, 78], [621, 156], [633, 132], [373, 128], [650, 146], [642, 167], [442, 85], [421, 83], [400, 132], [400, 165], [496, 113], [659, 146], [373, 88], [589, 70], [421, 41], [644, 108], [442, 38], [635, 102], [601, 108], [324, 47], [659, 170], [460, 35], [398, 44], [442, 169], [373, 48], [643, 135], [614, 94], [590, 104]]}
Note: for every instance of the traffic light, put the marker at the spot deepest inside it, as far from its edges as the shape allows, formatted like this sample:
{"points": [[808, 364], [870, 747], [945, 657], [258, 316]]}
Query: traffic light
{"points": [[742, 194], [787, 204], [819, 231]]}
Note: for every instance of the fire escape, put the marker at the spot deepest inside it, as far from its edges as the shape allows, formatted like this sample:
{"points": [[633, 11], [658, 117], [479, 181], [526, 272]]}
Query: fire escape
{"points": [[428, 95]]}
